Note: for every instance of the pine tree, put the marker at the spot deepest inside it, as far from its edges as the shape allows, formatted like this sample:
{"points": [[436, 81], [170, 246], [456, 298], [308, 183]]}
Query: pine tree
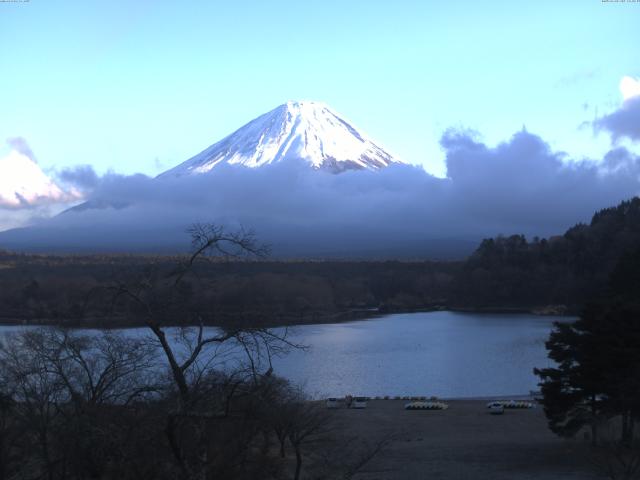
{"points": [[597, 377]]}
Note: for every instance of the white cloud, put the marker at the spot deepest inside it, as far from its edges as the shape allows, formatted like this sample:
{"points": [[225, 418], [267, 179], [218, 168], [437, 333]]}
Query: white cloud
{"points": [[24, 184], [629, 87], [624, 122], [26, 192]]}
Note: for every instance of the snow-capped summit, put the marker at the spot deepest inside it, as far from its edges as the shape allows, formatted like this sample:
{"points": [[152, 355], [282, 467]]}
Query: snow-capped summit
{"points": [[309, 131]]}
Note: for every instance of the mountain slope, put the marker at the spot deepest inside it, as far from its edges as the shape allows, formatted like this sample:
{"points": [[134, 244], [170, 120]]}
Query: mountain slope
{"points": [[309, 131]]}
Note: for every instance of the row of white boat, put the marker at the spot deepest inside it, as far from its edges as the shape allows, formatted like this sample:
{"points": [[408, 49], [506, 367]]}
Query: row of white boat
{"points": [[421, 403]]}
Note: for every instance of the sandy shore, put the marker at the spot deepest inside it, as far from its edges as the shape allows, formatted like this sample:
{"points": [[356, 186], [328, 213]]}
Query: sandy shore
{"points": [[464, 442]]}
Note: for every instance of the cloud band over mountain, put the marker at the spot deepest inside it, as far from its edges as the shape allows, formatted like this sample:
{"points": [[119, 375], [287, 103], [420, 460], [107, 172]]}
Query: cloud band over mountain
{"points": [[623, 122], [519, 186]]}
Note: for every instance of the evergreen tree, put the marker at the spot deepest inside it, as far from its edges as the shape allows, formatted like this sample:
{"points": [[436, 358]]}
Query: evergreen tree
{"points": [[597, 376], [572, 392]]}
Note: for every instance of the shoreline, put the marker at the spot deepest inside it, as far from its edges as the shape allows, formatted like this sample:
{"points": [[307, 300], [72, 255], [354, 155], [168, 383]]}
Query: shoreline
{"points": [[317, 319]]}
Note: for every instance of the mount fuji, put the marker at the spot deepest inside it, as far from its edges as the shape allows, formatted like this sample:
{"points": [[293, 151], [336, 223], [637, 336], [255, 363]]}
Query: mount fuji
{"points": [[280, 174], [307, 131]]}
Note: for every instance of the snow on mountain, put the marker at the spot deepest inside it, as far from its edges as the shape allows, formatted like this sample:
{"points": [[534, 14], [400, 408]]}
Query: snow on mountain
{"points": [[306, 130]]}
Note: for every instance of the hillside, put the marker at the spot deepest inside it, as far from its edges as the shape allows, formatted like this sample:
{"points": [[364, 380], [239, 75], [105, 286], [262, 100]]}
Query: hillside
{"points": [[562, 270]]}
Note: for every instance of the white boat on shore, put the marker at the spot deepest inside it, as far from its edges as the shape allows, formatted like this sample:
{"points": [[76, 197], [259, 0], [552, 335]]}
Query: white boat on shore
{"points": [[426, 406]]}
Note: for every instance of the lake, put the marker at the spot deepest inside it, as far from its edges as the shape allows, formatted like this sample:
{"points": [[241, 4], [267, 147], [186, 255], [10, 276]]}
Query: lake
{"points": [[446, 354]]}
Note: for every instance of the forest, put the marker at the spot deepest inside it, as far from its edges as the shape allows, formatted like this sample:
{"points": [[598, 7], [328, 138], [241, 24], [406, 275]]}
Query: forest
{"points": [[507, 273]]}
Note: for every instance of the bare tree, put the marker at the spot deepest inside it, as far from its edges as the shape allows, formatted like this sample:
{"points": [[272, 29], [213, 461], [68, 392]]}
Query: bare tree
{"points": [[9, 436], [62, 384], [37, 394], [318, 445], [194, 353], [183, 401], [155, 295], [289, 415]]}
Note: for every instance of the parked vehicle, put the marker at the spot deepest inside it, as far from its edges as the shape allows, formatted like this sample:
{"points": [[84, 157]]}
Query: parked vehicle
{"points": [[359, 402], [333, 402], [496, 408]]}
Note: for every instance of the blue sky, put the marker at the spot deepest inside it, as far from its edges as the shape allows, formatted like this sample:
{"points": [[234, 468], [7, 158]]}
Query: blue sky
{"points": [[141, 86]]}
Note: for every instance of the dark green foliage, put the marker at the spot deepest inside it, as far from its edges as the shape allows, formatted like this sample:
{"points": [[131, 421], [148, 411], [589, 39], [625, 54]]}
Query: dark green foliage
{"points": [[625, 280], [40, 289], [564, 270], [598, 360]]}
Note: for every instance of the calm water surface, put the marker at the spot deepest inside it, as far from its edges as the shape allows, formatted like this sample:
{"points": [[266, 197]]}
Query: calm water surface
{"points": [[445, 354]]}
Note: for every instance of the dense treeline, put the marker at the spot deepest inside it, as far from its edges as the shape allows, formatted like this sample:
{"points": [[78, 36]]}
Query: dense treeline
{"points": [[563, 270], [554, 275], [69, 289]]}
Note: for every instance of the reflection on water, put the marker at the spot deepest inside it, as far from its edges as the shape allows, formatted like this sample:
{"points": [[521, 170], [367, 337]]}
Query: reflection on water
{"points": [[445, 354], [437, 353]]}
